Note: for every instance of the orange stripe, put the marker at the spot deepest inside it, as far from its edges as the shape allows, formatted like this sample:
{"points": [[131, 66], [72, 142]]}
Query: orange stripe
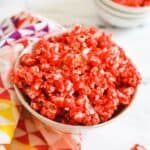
{"points": [[5, 146]]}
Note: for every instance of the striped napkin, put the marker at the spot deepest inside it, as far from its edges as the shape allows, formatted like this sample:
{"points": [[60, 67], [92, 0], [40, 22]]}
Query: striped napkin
{"points": [[19, 130]]}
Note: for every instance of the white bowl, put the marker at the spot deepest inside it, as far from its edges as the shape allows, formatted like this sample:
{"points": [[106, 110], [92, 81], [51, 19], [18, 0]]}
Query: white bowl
{"points": [[122, 14], [120, 19], [126, 9], [57, 125], [119, 13]]}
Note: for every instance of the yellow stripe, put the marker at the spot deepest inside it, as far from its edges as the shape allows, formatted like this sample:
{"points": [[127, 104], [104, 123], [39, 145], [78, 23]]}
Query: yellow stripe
{"points": [[8, 129], [7, 112], [6, 101]]}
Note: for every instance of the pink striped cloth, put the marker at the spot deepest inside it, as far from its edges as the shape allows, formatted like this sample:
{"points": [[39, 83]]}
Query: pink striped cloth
{"points": [[24, 132]]}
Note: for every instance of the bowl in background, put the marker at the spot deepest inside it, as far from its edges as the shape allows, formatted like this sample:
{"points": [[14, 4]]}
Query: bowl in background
{"points": [[126, 9], [122, 16]]}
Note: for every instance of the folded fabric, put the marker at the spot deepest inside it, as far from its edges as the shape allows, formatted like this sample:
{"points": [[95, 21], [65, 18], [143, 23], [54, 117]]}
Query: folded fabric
{"points": [[24, 132]]}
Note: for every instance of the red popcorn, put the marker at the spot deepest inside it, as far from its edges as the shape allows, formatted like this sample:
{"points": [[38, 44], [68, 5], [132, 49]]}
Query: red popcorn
{"points": [[80, 77], [49, 110], [133, 3], [146, 3], [28, 60], [138, 147]]}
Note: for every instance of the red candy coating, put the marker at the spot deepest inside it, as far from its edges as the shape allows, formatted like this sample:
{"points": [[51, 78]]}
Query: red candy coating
{"points": [[138, 147], [133, 3]]}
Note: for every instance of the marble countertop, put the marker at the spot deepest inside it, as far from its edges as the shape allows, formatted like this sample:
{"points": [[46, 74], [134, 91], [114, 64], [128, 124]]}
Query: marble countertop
{"points": [[134, 125]]}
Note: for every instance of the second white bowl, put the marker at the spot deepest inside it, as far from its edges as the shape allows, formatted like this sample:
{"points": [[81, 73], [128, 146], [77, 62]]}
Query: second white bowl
{"points": [[120, 19]]}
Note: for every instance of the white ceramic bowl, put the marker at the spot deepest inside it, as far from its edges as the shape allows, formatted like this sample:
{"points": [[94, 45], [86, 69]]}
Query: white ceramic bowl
{"points": [[56, 125], [118, 13], [120, 18]]}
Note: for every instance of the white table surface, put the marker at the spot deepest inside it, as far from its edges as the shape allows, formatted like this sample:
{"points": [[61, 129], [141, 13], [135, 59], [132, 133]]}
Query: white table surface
{"points": [[134, 126]]}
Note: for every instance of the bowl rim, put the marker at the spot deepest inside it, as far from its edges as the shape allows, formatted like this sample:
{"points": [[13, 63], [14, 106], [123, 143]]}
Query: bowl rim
{"points": [[127, 9], [53, 123]]}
